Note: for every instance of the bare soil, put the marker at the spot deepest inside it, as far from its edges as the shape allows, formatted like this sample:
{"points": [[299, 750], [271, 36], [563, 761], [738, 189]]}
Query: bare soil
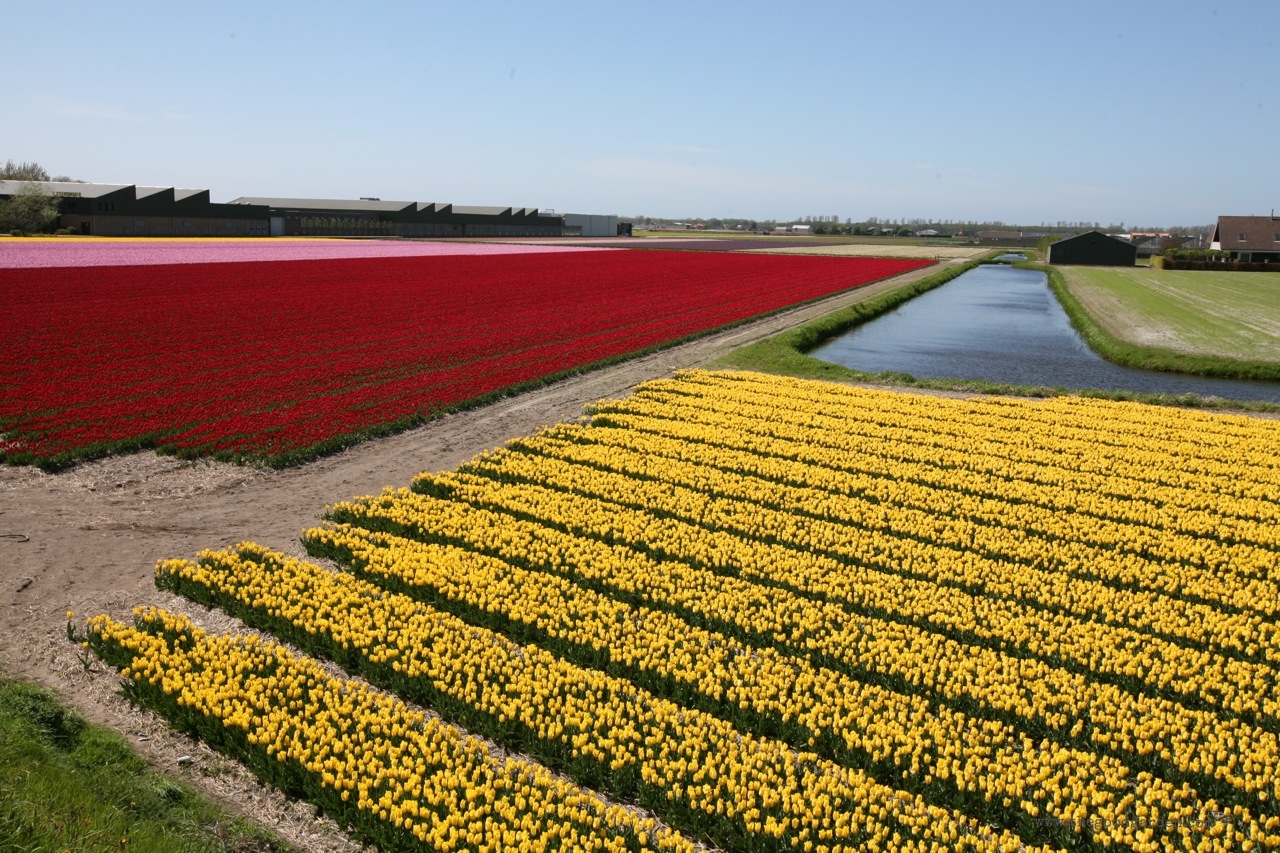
{"points": [[1119, 320], [87, 540]]}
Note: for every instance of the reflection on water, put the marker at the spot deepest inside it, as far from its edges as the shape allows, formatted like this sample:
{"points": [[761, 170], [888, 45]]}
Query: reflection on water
{"points": [[1003, 324]]}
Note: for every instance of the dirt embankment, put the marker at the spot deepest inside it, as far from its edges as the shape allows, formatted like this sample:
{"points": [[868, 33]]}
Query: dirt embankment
{"points": [[87, 539]]}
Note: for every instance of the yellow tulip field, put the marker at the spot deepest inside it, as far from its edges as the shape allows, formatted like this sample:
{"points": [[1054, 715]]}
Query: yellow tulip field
{"points": [[741, 612]]}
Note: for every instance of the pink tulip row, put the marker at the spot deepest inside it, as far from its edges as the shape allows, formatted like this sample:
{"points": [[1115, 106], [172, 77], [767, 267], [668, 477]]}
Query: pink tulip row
{"points": [[26, 254]]}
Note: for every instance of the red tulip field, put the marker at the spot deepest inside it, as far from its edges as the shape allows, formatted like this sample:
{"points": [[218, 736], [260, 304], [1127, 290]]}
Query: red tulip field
{"points": [[278, 361]]}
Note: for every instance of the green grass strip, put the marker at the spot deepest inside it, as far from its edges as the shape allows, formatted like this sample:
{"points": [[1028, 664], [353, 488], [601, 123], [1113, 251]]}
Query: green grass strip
{"points": [[1128, 354], [67, 785]]}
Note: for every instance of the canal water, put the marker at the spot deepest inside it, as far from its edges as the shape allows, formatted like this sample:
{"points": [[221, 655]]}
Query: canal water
{"points": [[1003, 324]]}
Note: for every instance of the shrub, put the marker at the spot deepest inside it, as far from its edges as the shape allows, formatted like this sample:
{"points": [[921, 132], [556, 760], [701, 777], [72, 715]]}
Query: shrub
{"points": [[1218, 265]]}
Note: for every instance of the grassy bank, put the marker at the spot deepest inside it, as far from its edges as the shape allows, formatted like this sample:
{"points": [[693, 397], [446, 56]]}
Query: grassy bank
{"points": [[66, 785], [786, 353], [1221, 322]]}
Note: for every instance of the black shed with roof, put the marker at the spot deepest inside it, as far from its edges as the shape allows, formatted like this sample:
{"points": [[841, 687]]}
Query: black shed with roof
{"points": [[1093, 248]]}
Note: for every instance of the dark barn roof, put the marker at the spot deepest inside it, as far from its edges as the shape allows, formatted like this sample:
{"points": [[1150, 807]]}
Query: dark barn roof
{"points": [[1093, 248], [404, 211], [363, 205]]}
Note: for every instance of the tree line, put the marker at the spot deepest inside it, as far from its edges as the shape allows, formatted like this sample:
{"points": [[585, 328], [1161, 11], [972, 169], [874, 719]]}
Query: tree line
{"points": [[874, 225]]}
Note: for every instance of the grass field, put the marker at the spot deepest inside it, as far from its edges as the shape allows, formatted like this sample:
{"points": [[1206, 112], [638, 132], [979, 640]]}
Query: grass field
{"points": [[1228, 314], [68, 785]]}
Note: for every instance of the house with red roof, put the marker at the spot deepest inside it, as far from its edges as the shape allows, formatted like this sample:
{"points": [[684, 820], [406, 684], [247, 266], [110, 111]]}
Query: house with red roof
{"points": [[1253, 239]]}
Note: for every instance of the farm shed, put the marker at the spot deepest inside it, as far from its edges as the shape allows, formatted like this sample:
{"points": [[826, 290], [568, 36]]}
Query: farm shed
{"points": [[590, 225], [1093, 248], [1254, 239], [128, 210], [373, 217]]}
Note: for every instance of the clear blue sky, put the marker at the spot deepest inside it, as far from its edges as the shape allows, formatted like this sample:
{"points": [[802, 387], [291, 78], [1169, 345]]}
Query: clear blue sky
{"points": [[1147, 113]]}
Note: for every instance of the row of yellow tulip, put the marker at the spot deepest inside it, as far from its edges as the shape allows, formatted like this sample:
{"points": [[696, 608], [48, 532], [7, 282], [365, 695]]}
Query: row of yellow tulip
{"points": [[1087, 429], [732, 786], [1242, 627], [1247, 624], [1135, 553], [1118, 483], [860, 560], [1153, 732], [1119, 439], [857, 724], [933, 429], [1175, 538], [400, 777]]}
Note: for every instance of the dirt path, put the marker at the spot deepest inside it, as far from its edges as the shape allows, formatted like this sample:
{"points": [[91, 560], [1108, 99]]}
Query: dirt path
{"points": [[87, 539]]}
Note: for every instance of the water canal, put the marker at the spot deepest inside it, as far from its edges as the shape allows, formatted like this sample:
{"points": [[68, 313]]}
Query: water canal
{"points": [[1003, 324]]}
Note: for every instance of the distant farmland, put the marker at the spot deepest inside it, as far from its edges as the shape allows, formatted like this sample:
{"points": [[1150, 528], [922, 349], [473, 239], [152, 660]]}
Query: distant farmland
{"points": [[1228, 314], [880, 250]]}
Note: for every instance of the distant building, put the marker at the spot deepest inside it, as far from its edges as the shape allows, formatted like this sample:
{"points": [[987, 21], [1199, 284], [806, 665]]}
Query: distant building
{"points": [[1149, 245], [371, 217], [1146, 247], [128, 210], [1248, 238], [1093, 248], [590, 225]]}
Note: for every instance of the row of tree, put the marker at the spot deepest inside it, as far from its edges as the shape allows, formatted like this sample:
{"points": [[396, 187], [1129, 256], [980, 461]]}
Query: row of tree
{"points": [[903, 227], [817, 225], [25, 171]]}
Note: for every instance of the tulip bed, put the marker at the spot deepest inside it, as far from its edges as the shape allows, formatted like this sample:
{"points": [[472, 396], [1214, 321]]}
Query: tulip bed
{"points": [[788, 615], [63, 253], [276, 362], [400, 777]]}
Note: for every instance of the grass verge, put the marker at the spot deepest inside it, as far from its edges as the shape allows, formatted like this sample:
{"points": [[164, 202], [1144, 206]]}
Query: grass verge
{"points": [[1149, 358], [786, 353], [67, 785]]}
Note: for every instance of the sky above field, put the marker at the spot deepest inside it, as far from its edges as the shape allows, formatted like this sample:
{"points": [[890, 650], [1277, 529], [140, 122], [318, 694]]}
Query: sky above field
{"points": [[1142, 113]]}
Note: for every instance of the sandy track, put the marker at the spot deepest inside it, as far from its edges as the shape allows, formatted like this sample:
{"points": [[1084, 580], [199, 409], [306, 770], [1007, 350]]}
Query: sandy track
{"points": [[87, 539]]}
